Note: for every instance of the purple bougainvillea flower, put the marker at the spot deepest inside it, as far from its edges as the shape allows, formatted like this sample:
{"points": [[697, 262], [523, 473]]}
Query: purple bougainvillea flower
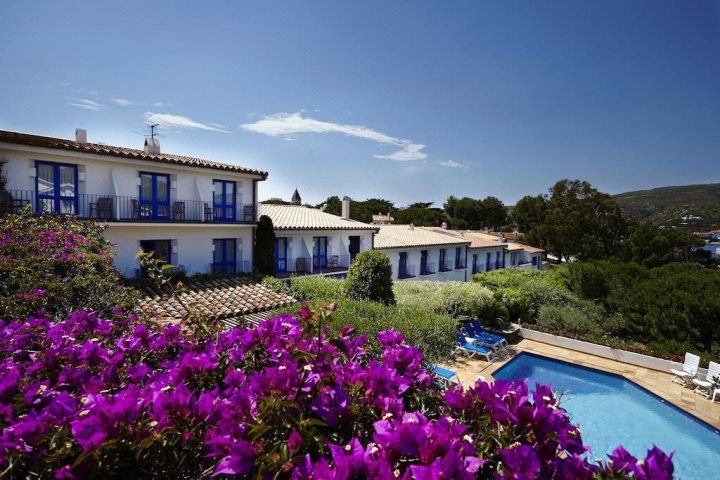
{"points": [[521, 462], [238, 462]]}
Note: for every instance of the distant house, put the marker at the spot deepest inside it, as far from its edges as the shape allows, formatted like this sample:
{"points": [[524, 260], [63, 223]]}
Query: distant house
{"points": [[310, 241], [381, 219], [193, 213], [485, 252], [713, 248], [418, 253]]}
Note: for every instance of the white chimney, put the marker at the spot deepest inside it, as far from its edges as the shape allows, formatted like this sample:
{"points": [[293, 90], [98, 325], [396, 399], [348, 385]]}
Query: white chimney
{"points": [[444, 225], [346, 208], [152, 146], [80, 135]]}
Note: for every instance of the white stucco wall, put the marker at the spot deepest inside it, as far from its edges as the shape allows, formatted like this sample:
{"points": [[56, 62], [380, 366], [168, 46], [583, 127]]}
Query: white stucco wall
{"points": [[413, 264], [112, 176], [482, 258], [300, 244], [192, 244]]}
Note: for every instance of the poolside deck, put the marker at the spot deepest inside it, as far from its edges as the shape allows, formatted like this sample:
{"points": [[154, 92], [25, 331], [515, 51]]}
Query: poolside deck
{"points": [[658, 383]]}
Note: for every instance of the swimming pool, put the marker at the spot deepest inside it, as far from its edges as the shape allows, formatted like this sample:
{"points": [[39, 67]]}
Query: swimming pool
{"points": [[611, 410]]}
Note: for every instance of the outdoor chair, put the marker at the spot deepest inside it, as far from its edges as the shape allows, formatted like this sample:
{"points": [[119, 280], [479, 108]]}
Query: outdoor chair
{"points": [[208, 212], [102, 209], [301, 265], [444, 376], [479, 338], [712, 377], [249, 213], [688, 371], [179, 210], [333, 262], [481, 331], [473, 350]]}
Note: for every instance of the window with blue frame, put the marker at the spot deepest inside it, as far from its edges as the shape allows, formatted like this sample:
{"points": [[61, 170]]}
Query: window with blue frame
{"points": [[459, 261], [497, 259], [224, 200], [488, 260], [402, 267], [442, 267], [162, 251], [424, 267], [475, 263], [224, 256], [319, 253], [154, 196], [56, 187], [534, 261], [281, 254]]}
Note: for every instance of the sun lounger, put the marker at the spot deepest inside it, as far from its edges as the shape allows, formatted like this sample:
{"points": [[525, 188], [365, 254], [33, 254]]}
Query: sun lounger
{"points": [[480, 330], [688, 371], [706, 385], [445, 376], [480, 338], [473, 350]]}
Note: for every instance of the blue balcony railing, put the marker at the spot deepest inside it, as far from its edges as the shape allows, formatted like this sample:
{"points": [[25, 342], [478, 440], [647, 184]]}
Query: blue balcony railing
{"points": [[113, 208]]}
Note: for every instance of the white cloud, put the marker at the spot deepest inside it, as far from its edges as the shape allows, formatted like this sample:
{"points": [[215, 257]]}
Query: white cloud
{"points": [[283, 125], [86, 103], [157, 104], [453, 164], [123, 102], [167, 120]]}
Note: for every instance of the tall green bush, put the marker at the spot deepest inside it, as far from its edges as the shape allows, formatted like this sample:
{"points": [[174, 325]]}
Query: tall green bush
{"points": [[264, 251], [370, 278]]}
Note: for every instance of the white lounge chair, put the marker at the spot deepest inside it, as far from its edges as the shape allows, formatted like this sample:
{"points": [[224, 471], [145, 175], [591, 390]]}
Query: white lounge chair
{"points": [[716, 392], [689, 369], [713, 375]]}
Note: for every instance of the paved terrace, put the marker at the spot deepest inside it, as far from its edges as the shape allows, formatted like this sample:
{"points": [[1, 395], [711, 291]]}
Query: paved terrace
{"points": [[657, 382]]}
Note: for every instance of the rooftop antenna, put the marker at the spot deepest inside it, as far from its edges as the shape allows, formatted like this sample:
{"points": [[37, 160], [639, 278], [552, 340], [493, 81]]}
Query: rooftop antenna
{"points": [[153, 126]]}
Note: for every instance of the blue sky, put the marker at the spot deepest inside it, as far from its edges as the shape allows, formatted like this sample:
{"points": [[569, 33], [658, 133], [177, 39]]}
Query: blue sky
{"points": [[409, 101]]}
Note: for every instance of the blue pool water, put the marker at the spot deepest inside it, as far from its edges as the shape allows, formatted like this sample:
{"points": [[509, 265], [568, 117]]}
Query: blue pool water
{"points": [[612, 411]]}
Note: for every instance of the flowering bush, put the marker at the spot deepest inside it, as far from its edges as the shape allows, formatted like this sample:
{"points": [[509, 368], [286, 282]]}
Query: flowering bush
{"points": [[56, 264], [88, 397]]}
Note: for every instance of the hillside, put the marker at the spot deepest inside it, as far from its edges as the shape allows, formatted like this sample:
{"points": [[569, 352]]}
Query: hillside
{"points": [[668, 205]]}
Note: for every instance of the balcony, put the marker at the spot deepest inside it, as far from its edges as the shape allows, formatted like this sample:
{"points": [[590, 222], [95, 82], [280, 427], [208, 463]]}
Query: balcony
{"points": [[320, 265], [445, 266], [242, 266], [112, 208], [407, 272], [427, 269]]}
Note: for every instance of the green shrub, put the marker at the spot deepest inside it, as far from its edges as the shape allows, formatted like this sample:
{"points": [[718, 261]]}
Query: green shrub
{"points": [[452, 298], [525, 291], [370, 278], [57, 264], [567, 319], [433, 333], [264, 251]]}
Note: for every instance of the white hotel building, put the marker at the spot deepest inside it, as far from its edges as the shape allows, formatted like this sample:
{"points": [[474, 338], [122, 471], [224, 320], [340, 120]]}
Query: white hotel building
{"points": [[196, 214], [418, 253]]}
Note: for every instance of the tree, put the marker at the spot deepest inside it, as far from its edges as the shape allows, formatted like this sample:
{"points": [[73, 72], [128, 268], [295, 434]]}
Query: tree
{"points": [[529, 211], [264, 252], [370, 278], [580, 223], [652, 246], [493, 214], [5, 196]]}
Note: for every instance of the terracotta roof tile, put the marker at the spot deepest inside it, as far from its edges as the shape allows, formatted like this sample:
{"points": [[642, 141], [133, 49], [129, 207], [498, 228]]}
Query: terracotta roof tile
{"points": [[297, 217], [219, 298], [123, 152]]}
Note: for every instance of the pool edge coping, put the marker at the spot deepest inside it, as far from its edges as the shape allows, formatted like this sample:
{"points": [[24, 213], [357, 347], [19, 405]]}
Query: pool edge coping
{"points": [[521, 351]]}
